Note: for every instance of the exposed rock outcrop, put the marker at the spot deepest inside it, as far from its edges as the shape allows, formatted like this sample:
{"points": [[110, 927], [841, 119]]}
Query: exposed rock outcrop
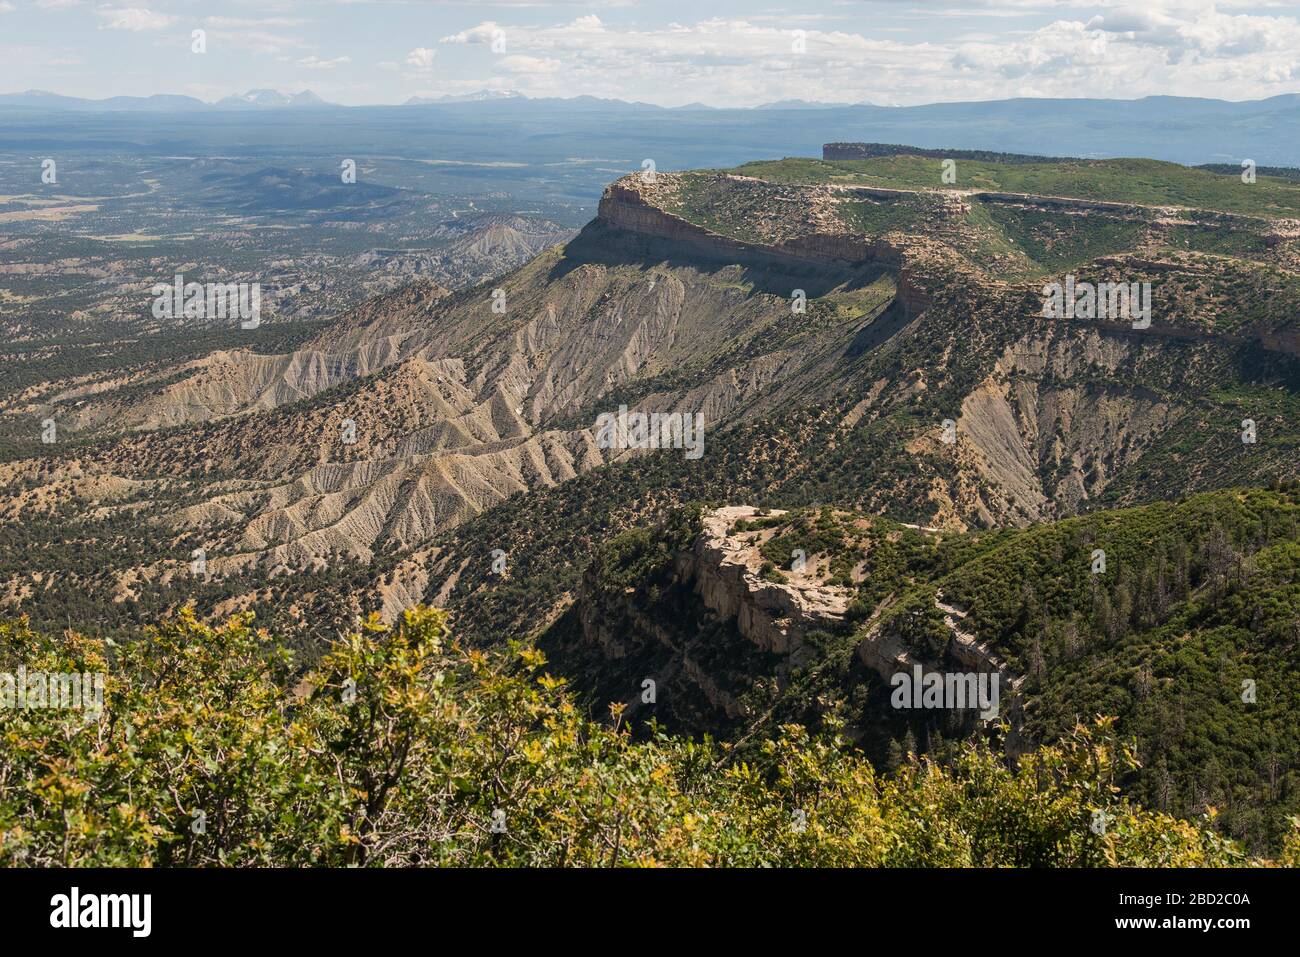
{"points": [[725, 572], [634, 205], [742, 608]]}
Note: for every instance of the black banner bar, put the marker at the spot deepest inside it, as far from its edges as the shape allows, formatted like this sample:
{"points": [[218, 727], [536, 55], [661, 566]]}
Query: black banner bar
{"points": [[334, 907]]}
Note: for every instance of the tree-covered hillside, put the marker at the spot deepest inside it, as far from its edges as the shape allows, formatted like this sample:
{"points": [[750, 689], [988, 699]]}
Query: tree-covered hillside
{"points": [[403, 748], [1180, 619], [1142, 181]]}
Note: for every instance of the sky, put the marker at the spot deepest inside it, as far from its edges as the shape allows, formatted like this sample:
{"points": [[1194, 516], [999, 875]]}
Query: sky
{"points": [[667, 52]]}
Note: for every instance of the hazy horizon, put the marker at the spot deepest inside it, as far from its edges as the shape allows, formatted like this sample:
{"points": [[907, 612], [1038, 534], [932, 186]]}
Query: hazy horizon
{"points": [[485, 95], [882, 52]]}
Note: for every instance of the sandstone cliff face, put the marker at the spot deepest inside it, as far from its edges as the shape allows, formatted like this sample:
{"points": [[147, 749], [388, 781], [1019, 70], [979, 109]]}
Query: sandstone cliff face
{"points": [[725, 572], [748, 629], [813, 242], [722, 571], [633, 205]]}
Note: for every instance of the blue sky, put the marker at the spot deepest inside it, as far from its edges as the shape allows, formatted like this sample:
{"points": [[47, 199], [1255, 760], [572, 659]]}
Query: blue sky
{"points": [[670, 52]]}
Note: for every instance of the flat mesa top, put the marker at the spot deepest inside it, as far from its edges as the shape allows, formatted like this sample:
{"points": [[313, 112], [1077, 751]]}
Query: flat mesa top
{"points": [[1018, 219], [1138, 181]]}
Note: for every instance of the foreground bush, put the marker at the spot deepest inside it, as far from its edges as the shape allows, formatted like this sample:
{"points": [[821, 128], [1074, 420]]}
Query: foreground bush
{"points": [[402, 748]]}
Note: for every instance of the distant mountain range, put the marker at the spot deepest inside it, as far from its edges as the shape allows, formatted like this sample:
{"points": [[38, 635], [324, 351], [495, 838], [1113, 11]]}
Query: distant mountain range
{"points": [[803, 105], [162, 102], [263, 99], [1156, 108], [1189, 130], [484, 96], [478, 97]]}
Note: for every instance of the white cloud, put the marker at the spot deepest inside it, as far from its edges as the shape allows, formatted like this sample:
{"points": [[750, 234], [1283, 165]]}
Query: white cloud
{"points": [[316, 63], [136, 19], [1184, 47], [880, 51], [1206, 32], [421, 58], [731, 61], [482, 33], [1060, 50]]}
